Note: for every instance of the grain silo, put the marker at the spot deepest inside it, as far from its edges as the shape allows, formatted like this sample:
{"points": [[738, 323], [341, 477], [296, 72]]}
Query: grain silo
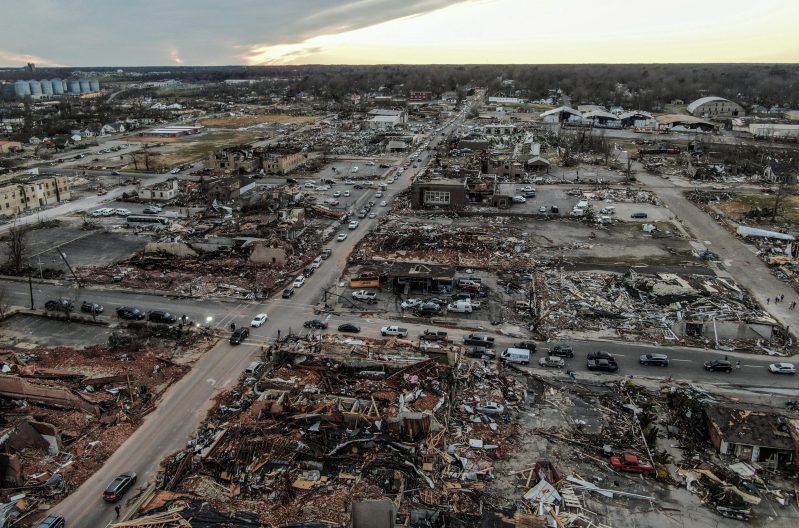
{"points": [[57, 86], [35, 87], [74, 87], [22, 88], [94, 84], [84, 86], [47, 87]]}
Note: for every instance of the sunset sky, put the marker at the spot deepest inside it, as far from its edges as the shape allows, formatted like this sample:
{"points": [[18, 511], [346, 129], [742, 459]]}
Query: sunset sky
{"points": [[213, 32]]}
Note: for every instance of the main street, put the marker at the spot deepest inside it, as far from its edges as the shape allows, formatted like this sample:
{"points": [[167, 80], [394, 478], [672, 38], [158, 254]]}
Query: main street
{"points": [[185, 404]]}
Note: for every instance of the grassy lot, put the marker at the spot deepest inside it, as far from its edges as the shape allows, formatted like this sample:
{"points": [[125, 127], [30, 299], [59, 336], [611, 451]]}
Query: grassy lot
{"points": [[743, 203], [190, 148], [250, 120]]}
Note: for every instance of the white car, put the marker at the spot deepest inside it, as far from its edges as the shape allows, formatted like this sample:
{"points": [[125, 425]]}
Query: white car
{"points": [[379, 194], [353, 225], [409, 304], [336, 194], [349, 182], [782, 368], [309, 185], [99, 212], [542, 209], [121, 212], [258, 320], [364, 295], [372, 215], [551, 361], [341, 237], [298, 282], [323, 188], [491, 408], [346, 193], [383, 203], [519, 199]]}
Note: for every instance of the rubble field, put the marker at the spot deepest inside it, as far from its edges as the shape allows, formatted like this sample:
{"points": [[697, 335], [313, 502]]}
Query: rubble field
{"points": [[250, 120]]}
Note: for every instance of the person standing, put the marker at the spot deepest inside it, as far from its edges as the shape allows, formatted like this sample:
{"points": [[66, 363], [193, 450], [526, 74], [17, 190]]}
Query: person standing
{"points": [[116, 509]]}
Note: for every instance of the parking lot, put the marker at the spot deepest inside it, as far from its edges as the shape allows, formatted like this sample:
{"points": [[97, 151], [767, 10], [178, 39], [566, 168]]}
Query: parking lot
{"points": [[20, 329]]}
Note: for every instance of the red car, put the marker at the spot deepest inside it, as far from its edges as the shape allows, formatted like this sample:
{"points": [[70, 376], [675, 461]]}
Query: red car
{"points": [[630, 463]]}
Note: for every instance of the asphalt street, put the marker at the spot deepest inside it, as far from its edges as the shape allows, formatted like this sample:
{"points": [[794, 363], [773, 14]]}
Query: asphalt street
{"points": [[184, 406]]}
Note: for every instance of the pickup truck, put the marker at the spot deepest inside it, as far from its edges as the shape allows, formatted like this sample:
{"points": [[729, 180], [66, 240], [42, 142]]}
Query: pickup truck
{"points": [[394, 331], [364, 295], [432, 335], [479, 340], [604, 365], [630, 463]]}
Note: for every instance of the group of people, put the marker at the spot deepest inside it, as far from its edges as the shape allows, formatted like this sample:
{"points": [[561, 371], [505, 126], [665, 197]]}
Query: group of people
{"points": [[781, 298]]}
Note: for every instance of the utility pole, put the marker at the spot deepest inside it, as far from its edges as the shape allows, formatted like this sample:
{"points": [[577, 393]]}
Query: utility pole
{"points": [[30, 287]]}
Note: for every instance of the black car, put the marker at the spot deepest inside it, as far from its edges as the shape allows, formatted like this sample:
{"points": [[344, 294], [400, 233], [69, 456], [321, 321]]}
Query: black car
{"points": [[54, 520], [308, 271], [718, 365], [480, 352], [287, 293], [291, 180], [555, 209], [525, 345], [561, 351], [59, 305], [638, 215], [315, 323], [119, 486], [661, 360], [160, 316], [349, 327], [239, 335], [600, 355], [603, 365], [357, 186], [127, 312], [92, 308], [383, 166]]}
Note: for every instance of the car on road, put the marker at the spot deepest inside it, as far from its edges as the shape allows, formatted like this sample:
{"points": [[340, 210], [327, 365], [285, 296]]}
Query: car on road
{"points": [[408, 304], [383, 203], [119, 486], [630, 463], [298, 282], [491, 408], [160, 316], [239, 335], [479, 339], [554, 209], [479, 352], [128, 312], [92, 308], [718, 365], [660, 360], [378, 194], [54, 520], [427, 309], [561, 351], [782, 368], [519, 199], [638, 215], [349, 327], [122, 212], [603, 365], [287, 293], [353, 224], [346, 194], [59, 305], [316, 324], [600, 355], [336, 194], [394, 331], [372, 215], [542, 209], [341, 237], [551, 362], [105, 211], [258, 320], [152, 209], [364, 295], [525, 345]]}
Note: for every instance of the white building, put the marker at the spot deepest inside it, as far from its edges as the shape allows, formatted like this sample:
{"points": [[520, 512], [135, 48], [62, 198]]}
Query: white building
{"points": [[715, 107], [161, 192], [773, 130]]}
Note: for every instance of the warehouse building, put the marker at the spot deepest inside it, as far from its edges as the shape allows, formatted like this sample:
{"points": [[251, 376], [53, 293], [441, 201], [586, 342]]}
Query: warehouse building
{"points": [[22, 195], [715, 107]]}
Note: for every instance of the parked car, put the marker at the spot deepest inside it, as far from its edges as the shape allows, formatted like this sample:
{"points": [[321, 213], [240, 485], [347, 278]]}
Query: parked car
{"points": [[298, 282], [718, 365], [603, 365], [782, 368], [59, 305], [341, 237], [160, 316], [600, 355], [239, 335], [630, 463], [316, 324], [152, 209], [410, 303], [54, 520], [353, 224], [119, 486], [336, 194], [287, 293], [122, 212], [479, 339], [460, 307], [551, 361], [526, 345], [519, 199], [326, 253], [661, 360], [491, 408], [364, 295], [259, 320], [128, 312], [638, 215], [554, 209], [383, 203], [346, 194], [561, 351], [349, 327], [92, 308], [542, 209], [480, 352]]}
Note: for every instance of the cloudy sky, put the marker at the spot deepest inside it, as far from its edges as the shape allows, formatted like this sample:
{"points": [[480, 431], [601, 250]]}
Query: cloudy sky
{"points": [[221, 32]]}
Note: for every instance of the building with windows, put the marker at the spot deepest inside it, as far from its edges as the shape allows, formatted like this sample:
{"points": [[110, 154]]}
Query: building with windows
{"points": [[17, 196], [160, 192], [446, 193], [283, 162], [715, 107]]}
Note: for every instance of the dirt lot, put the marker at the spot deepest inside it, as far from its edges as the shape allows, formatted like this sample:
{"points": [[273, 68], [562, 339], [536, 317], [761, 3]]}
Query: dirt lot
{"points": [[175, 151], [744, 203], [245, 121]]}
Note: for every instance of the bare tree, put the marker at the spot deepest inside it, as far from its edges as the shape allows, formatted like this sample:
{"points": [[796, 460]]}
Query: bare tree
{"points": [[3, 302], [16, 249]]}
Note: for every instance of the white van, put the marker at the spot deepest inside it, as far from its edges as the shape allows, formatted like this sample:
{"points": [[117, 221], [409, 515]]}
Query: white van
{"points": [[516, 355], [578, 212], [460, 307], [582, 204]]}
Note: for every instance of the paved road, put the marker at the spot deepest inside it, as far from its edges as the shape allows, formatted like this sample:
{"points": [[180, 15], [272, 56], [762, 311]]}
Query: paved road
{"points": [[184, 406], [738, 258]]}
